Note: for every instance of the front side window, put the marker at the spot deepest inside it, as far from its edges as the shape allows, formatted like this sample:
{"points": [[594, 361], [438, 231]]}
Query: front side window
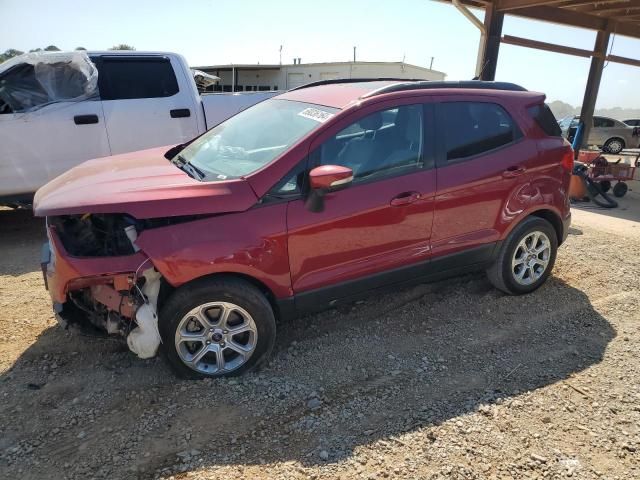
{"points": [[126, 78], [382, 144], [473, 128], [253, 138]]}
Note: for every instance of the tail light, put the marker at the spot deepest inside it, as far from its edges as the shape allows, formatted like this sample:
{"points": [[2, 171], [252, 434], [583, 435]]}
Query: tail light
{"points": [[567, 160]]}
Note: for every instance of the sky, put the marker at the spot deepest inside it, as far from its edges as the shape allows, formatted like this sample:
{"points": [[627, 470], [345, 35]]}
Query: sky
{"points": [[210, 32]]}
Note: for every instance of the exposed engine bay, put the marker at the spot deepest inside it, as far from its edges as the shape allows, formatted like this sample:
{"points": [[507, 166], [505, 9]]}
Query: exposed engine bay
{"points": [[92, 235]]}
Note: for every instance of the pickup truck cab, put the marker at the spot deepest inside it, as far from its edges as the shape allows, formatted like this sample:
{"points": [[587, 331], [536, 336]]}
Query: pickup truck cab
{"points": [[142, 100]]}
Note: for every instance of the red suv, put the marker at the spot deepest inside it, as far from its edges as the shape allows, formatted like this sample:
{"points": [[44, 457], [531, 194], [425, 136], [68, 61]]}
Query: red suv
{"points": [[316, 197]]}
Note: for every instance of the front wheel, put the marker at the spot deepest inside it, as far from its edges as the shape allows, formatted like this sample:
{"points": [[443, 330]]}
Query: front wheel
{"points": [[526, 257], [217, 327]]}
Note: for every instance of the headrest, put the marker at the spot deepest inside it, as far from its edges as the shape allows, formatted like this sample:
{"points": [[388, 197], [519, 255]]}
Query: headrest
{"points": [[371, 122]]}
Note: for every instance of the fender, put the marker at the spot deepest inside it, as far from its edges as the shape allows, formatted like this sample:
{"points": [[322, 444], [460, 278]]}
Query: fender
{"points": [[253, 243]]}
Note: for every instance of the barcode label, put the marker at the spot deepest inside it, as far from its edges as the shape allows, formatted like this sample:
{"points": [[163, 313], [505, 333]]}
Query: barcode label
{"points": [[315, 114]]}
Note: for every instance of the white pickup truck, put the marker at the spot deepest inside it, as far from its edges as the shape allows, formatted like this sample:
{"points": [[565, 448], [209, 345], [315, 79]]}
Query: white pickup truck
{"points": [[55, 115]]}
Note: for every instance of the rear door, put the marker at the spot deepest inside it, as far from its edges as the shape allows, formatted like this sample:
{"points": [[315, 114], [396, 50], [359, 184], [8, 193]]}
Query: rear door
{"points": [[482, 163], [145, 103], [378, 224], [602, 130]]}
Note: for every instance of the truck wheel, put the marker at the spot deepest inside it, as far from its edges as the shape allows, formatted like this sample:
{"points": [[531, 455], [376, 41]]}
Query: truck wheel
{"points": [[620, 189], [526, 257], [614, 145], [217, 327]]}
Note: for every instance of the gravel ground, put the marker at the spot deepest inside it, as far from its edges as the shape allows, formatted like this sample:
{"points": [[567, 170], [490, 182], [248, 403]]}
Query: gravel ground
{"points": [[446, 380]]}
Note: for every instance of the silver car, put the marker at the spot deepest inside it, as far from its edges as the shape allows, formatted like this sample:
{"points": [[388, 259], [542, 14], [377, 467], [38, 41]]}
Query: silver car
{"points": [[611, 135]]}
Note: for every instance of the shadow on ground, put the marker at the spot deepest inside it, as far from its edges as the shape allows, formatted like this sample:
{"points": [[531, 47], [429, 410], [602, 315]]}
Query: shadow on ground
{"points": [[21, 236], [392, 364]]}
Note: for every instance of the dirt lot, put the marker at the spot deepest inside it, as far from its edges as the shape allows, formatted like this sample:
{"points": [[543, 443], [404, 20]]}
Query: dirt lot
{"points": [[447, 380]]}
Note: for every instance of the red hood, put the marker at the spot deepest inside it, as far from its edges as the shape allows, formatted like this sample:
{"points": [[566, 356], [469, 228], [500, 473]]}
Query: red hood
{"points": [[143, 184]]}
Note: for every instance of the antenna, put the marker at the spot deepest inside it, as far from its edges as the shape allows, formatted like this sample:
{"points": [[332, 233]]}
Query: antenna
{"points": [[354, 54], [431, 64]]}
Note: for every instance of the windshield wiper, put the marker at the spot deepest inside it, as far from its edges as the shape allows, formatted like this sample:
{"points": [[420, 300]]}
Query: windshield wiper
{"points": [[188, 167]]}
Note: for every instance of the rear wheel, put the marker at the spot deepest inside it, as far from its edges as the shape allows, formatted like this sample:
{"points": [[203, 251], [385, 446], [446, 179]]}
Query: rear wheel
{"points": [[217, 327], [526, 257], [614, 145]]}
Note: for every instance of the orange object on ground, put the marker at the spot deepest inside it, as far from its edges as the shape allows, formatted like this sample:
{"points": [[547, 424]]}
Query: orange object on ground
{"points": [[577, 188]]}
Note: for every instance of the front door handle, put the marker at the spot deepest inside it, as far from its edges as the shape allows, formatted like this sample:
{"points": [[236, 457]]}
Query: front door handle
{"points": [[513, 171], [180, 113], [405, 198], [85, 119]]}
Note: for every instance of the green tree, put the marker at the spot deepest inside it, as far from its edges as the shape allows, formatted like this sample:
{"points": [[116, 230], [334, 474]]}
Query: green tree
{"points": [[122, 46], [80, 48], [52, 48], [12, 52]]}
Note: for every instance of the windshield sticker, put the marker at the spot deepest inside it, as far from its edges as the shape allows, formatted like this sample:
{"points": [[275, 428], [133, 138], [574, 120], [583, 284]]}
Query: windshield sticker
{"points": [[315, 114]]}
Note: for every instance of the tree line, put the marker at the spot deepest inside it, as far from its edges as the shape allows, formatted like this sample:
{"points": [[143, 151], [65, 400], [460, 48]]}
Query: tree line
{"points": [[12, 52]]}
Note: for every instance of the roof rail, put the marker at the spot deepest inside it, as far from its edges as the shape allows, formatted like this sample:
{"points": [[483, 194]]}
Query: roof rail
{"points": [[428, 85], [355, 80]]}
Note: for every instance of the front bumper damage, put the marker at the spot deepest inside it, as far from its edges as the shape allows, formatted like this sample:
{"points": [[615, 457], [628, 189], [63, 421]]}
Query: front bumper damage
{"points": [[112, 295]]}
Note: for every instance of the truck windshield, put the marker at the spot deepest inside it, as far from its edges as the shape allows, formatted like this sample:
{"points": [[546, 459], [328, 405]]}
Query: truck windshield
{"points": [[251, 139]]}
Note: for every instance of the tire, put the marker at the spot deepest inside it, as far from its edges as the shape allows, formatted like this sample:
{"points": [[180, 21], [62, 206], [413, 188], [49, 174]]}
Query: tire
{"points": [[197, 310], [503, 275], [620, 189], [614, 145]]}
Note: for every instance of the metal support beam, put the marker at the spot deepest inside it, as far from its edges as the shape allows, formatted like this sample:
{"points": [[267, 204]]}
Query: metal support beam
{"points": [[549, 47], [593, 83], [493, 20], [480, 26]]}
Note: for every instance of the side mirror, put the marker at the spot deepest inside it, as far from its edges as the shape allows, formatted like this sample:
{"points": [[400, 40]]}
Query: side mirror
{"points": [[330, 177], [327, 178]]}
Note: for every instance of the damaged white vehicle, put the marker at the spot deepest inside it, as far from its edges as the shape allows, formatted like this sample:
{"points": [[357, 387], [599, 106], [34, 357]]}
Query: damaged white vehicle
{"points": [[59, 109]]}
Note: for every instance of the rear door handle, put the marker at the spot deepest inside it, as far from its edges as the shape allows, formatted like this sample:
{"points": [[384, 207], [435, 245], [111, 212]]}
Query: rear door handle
{"points": [[513, 171], [180, 113], [405, 198], [85, 119]]}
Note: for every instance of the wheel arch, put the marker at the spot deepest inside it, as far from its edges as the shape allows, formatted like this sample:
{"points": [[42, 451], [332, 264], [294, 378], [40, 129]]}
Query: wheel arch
{"points": [[553, 218], [548, 214], [166, 289]]}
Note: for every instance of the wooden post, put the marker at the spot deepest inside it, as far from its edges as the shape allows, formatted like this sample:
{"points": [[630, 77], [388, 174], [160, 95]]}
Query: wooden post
{"points": [[493, 21], [593, 84]]}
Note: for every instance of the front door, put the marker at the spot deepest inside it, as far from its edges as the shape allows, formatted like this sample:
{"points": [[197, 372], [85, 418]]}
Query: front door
{"points": [[378, 224], [37, 146], [144, 106]]}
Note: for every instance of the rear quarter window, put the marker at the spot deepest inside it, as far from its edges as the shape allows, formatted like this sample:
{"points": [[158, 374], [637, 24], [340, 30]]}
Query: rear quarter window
{"points": [[544, 117]]}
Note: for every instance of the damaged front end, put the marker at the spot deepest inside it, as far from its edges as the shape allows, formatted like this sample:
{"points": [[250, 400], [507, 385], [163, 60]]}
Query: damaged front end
{"points": [[100, 280]]}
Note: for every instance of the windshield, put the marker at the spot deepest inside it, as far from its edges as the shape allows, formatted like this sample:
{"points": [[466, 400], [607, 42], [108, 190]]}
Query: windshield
{"points": [[251, 139]]}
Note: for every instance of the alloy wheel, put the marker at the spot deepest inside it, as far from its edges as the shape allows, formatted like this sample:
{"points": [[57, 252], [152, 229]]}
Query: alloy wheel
{"points": [[216, 338], [531, 258]]}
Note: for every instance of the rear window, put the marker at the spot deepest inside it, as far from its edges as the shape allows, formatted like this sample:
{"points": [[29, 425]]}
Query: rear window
{"points": [[545, 118], [126, 78]]}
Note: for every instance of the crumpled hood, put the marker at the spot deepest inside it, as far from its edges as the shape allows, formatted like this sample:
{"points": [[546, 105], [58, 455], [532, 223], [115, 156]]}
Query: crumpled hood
{"points": [[143, 184]]}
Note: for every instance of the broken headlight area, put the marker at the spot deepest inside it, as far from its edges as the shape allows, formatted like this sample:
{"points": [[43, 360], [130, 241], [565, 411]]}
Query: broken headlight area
{"points": [[106, 305], [96, 235]]}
